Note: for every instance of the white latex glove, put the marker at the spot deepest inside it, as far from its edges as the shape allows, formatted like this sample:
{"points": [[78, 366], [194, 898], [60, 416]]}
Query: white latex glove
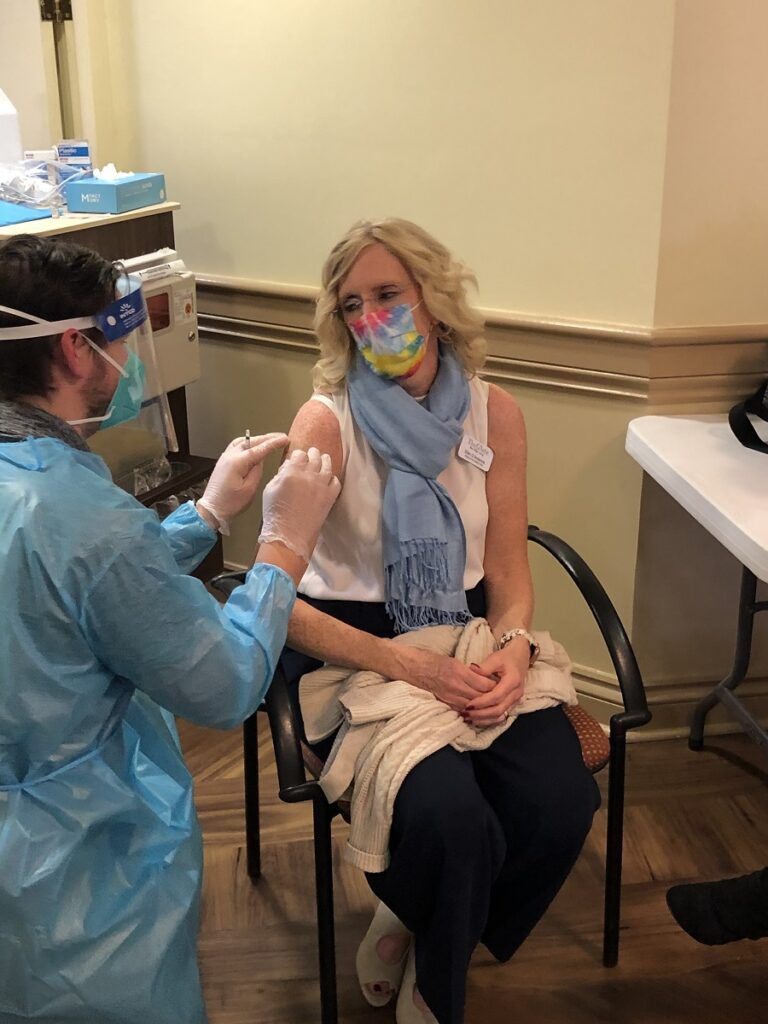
{"points": [[297, 500], [236, 476]]}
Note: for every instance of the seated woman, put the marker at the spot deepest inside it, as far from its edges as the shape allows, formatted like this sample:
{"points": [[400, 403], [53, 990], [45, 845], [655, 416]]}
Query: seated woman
{"points": [[430, 528]]}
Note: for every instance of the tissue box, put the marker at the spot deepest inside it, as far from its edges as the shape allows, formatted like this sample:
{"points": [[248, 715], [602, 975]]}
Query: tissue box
{"points": [[89, 195]]}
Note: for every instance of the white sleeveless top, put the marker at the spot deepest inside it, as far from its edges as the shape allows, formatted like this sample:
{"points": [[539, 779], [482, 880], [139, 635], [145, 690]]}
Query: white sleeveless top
{"points": [[347, 562]]}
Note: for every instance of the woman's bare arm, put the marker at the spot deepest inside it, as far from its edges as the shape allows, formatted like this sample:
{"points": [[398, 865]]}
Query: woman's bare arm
{"points": [[507, 574], [508, 584]]}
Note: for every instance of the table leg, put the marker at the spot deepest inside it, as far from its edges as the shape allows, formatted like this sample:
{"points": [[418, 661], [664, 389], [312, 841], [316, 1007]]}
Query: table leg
{"points": [[723, 691]]}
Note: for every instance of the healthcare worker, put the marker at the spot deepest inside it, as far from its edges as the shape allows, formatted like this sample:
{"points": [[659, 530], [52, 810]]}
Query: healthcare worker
{"points": [[102, 634]]}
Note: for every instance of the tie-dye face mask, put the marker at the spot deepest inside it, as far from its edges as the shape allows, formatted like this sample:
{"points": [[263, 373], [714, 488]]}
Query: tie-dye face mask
{"points": [[389, 342]]}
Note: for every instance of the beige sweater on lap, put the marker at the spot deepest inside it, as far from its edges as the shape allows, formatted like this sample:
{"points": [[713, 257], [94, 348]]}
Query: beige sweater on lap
{"points": [[386, 727]]}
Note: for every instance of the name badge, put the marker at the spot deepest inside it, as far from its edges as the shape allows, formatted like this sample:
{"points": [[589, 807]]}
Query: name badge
{"points": [[476, 453]]}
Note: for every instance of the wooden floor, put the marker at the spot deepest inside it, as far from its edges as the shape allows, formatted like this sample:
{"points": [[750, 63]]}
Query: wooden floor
{"points": [[688, 816]]}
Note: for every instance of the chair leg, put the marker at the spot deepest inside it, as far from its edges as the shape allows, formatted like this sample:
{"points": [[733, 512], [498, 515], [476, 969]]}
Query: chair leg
{"points": [[614, 849], [251, 774], [324, 894]]}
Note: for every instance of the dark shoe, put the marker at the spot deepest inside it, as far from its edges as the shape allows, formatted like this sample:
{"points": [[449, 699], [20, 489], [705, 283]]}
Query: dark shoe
{"points": [[718, 912]]}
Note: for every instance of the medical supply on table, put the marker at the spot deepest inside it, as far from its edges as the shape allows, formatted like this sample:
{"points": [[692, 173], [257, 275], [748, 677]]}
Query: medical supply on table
{"points": [[74, 153], [37, 181], [72, 160], [110, 173], [37, 184], [116, 194], [14, 213], [47, 167], [165, 506], [162, 471], [47, 155]]}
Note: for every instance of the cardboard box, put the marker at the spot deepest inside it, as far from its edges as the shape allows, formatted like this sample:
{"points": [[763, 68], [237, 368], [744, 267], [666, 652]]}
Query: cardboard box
{"points": [[90, 195], [40, 154], [75, 152]]}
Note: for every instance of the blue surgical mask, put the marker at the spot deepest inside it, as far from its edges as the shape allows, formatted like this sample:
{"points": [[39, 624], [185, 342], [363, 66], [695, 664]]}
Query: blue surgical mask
{"points": [[129, 394]]}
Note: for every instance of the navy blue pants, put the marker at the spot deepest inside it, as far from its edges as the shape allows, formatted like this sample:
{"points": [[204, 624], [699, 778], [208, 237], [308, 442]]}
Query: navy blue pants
{"points": [[480, 842]]}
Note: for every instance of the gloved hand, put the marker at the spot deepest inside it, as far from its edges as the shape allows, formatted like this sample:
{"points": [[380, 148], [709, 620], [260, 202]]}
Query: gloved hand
{"points": [[297, 500], [236, 476]]}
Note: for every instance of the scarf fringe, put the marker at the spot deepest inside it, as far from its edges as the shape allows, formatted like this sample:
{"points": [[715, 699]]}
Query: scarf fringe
{"points": [[408, 617], [422, 565], [421, 572]]}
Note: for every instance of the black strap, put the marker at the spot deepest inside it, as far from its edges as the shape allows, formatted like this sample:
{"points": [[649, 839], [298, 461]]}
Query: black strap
{"points": [[738, 418]]}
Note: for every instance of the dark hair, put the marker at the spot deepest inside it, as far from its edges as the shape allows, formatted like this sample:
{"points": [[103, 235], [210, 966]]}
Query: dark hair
{"points": [[53, 280]]}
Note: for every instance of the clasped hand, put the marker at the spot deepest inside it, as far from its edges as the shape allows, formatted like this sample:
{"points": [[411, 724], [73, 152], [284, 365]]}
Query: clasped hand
{"points": [[508, 668], [482, 694]]}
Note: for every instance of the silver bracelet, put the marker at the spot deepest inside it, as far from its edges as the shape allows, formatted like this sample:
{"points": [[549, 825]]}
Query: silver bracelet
{"points": [[511, 634]]}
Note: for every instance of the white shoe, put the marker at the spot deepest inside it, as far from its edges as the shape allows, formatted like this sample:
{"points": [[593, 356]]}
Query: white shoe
{"points": [[370, 967], [406, 1011]]}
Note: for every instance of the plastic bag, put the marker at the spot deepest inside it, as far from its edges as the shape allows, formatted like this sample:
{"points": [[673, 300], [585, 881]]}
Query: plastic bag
{"points": [[37, 183]]}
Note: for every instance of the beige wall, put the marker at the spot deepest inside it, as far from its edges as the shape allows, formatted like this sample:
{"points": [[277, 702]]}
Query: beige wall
{"points": [[599, 161], [101, 47], [27, 72], [530, 137], [713, 257], [97, 75]]}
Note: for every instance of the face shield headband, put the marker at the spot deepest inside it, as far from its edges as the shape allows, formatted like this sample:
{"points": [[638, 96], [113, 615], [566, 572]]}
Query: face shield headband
{"points": [[120, 318]]}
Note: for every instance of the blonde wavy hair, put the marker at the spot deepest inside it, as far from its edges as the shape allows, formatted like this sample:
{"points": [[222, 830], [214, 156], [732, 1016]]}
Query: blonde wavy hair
{"points": [[442, 280]]}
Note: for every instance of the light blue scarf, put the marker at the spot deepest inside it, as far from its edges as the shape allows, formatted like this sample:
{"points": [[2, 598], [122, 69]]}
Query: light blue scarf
{"points": [[423, 540]]}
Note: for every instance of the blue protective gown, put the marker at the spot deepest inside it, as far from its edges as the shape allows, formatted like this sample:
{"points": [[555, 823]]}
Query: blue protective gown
{"points": [[100, 631]]}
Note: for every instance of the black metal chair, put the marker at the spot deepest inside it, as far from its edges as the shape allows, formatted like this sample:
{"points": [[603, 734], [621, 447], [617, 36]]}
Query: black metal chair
{"points": [[293, 759]]}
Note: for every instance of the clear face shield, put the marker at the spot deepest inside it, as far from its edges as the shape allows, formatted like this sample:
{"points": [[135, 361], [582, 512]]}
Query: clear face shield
{"points": [[136, 431]]}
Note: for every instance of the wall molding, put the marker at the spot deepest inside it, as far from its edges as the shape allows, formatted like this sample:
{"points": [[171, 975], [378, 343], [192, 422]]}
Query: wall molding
{"points": [[670, 368], [671, 706], [666, 368], [630, 333], [251, 332]]}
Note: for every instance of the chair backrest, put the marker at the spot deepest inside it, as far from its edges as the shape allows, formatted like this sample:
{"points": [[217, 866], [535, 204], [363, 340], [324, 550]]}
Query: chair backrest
{"points": [[614, 635]]}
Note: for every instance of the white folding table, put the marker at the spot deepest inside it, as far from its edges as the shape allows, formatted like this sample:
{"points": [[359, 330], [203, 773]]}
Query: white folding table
{"points": [[724, 486]]}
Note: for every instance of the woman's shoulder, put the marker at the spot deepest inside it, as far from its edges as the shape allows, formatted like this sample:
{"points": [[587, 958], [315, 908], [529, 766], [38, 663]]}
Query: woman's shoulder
{"points": [[332, 399], [317, 425], [505, 418]]}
